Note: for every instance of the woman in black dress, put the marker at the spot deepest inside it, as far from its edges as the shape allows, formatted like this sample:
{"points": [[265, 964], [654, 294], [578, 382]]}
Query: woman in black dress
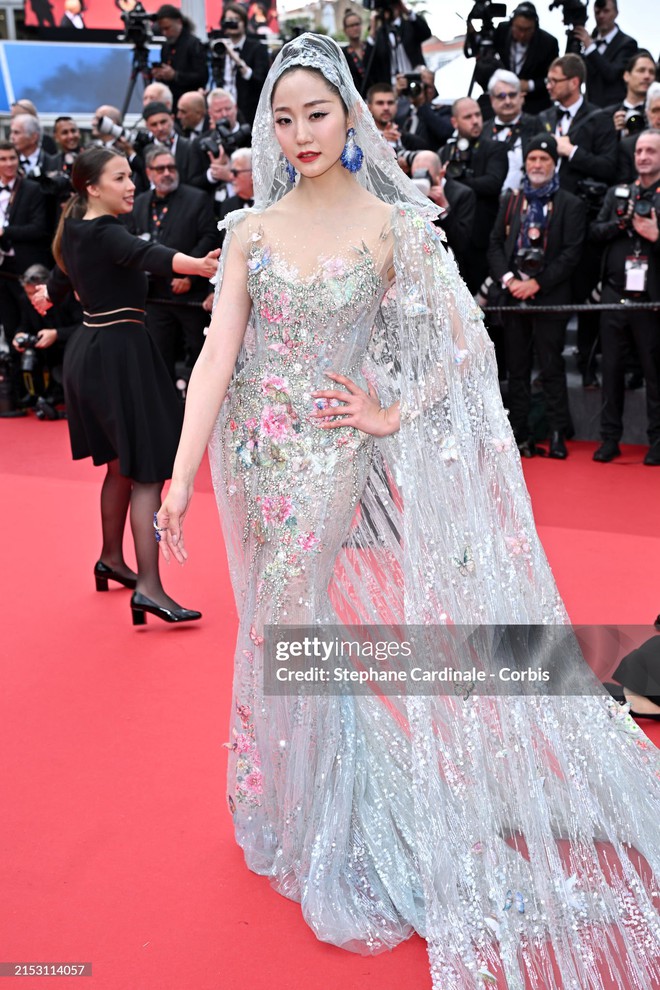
{"points": [[123, 409]]}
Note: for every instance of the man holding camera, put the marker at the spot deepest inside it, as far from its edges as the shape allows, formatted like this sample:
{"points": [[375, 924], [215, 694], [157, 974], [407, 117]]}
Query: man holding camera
{"points": [[160, 124], [526, 50], [40, 341], [182, 58], [628, 226], [481, 166], [244, 62], [606, 51], [625, 169], [216, 145], [457, 202], [175, 215], [396, 34], [535, 247]]}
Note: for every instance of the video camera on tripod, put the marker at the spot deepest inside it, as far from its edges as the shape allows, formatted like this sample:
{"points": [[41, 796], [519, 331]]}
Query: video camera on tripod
{"points": [[574, 14], [482, 43], [138, 26]]}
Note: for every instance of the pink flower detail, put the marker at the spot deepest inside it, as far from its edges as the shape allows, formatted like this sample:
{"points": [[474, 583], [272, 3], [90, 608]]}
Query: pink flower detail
{"points": [[280, 348], [254, 782], [275, 421], [244, 713], [308, 541], [251, 424], [334, 267], [273, 383], [275, 306], [242, 743], [519, 544], [276, 509]]}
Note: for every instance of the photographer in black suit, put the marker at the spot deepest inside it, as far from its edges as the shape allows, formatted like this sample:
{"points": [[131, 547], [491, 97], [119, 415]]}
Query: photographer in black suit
{"points": [[244, 65], [481, 166], [511, 126], [606, 51], [24, 241], [177, 216], [160, 124], [587, 145], [525, 49], [45, 355], [535, 247], [396, 34], [457, 202], [628, 226], [625, 165], [182, 57]]}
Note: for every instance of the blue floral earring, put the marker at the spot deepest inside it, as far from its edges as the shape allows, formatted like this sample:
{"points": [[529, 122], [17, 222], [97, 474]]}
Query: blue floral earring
{"points": [[288, 168], [352, 156]]}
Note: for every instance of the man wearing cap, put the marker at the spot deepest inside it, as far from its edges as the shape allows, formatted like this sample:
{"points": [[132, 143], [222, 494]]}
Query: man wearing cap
{"points": [[535, 246], [527, 50]]}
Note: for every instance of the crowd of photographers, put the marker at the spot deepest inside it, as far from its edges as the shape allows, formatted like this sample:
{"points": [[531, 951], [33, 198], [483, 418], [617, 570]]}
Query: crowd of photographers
{"points": [[548, 186]]}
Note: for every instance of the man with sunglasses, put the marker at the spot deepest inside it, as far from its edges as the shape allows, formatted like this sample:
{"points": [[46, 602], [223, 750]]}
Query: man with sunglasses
{"points": [[511, 126], [175, 215], [241, 179]]}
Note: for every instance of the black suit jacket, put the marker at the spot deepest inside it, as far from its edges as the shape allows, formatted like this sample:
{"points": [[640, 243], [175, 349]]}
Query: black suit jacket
{"points": [[605, 83], [541, 51], [189, 226], [248, 91], [625, 161], [413, 33], [526, 128], [592, 131], [490, 165], [187, 57], [26, 230], [458, 223], [605, 229], [566, 233], [229, 204]]}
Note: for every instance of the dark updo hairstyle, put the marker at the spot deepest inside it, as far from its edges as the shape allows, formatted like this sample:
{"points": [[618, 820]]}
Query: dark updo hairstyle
{"points": [[86, 171]]}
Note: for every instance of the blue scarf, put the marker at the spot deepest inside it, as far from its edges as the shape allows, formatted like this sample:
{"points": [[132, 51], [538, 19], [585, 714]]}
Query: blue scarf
{"points": [[537, 199]]}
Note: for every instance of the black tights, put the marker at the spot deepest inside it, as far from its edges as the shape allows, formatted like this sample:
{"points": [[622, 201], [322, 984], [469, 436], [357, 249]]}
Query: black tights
{"points": [[117, 494]]}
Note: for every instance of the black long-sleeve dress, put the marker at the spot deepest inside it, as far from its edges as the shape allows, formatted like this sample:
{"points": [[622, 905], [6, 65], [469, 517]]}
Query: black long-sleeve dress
{"points": [[121, 402]]}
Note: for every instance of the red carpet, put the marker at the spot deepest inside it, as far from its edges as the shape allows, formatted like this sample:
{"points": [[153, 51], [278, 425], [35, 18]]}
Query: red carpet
{"points": [[116, 845]]}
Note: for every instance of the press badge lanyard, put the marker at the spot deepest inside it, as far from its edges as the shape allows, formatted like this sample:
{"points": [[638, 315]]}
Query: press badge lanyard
{"points": [[637, 264]]}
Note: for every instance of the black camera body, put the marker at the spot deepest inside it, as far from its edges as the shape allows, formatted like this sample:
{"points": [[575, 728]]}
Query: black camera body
{"points": [[635, 122], [593, 193], [224, 139], [459, 165], [627, 206], [138, 26], [531, 260], [480, 44], [29, 357]]}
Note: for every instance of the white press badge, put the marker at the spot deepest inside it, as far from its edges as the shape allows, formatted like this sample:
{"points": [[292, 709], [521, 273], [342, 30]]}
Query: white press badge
{"points": [[637, 268]]}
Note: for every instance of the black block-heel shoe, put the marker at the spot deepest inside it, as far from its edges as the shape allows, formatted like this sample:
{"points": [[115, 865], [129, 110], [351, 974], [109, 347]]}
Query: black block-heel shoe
{"points": [[140, 605], [103, 573]]}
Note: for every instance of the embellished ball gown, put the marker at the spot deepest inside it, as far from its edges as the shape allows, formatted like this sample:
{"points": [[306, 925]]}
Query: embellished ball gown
{"points": [[517, 835]]}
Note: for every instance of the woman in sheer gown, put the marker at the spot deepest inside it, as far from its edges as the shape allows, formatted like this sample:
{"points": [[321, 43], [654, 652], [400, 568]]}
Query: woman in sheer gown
{"points": [[365, 472]]}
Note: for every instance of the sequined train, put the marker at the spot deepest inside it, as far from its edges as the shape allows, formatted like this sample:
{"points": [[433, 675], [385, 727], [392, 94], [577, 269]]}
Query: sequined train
{"points": [[503, 830]]}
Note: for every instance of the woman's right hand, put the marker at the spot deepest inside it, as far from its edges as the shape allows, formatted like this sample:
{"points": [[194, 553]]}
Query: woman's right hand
{"points": [[169, 520], [208, 266]]}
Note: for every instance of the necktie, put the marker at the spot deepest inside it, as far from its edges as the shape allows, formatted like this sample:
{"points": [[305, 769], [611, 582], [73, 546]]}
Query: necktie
{"points": [[500, 127], [563, 120], [5, 188], [601, 44]]}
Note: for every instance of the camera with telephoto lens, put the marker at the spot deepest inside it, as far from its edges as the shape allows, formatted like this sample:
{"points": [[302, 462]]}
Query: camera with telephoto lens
{"points": [[415, 85], [224, 139], [530, 260], [29, 357], [460, 162], [138, 138], [138, 26]]}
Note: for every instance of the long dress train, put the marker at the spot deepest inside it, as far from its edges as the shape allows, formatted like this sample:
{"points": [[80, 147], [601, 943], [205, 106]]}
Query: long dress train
{"points": [[518, 835]]}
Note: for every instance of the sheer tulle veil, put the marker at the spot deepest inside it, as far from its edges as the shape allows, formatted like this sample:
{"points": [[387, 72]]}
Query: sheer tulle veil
{"points": [[441, 814]]}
